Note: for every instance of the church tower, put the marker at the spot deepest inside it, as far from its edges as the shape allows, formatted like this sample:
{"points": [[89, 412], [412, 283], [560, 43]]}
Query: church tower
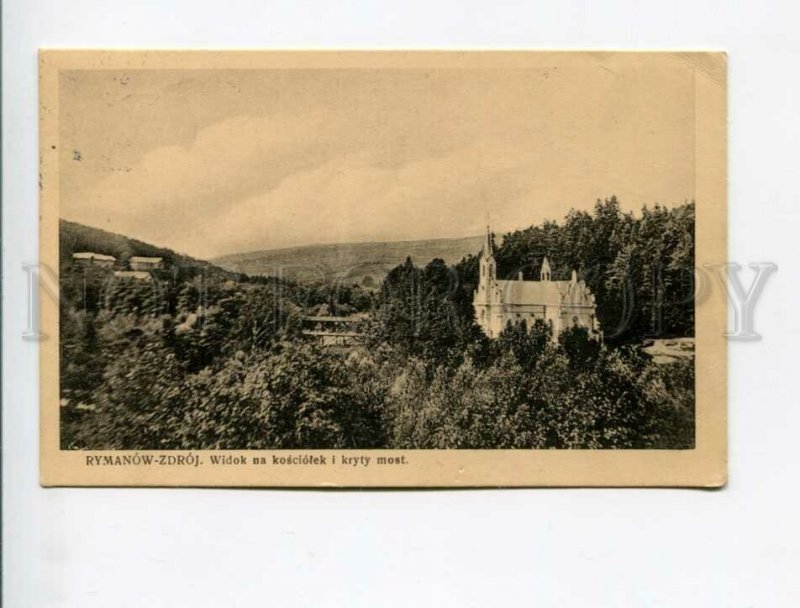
{"points": [[488, 268], [484, 297]]}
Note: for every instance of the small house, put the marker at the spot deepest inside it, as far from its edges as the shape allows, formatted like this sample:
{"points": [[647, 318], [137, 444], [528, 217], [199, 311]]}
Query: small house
{"points": [[89, 258], [142, 263]]}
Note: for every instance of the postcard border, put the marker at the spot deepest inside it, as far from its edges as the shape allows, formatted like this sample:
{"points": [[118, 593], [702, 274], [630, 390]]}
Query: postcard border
{"points": [[704, 466]]}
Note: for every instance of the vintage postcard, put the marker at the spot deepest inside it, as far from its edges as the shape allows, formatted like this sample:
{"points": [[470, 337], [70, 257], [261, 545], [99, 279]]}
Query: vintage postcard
{"points": [[382, 269]]}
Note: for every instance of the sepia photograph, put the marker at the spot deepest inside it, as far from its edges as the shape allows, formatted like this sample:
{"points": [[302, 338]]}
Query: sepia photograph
{"points": [[333, 253]]}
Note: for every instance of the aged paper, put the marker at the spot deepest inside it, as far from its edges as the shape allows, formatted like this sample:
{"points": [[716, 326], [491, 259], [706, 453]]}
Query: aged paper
{"points": [[382, 269]]}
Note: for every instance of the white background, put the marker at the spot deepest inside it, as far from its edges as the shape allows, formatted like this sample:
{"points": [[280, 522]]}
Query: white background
{"points": [[735, 547]]}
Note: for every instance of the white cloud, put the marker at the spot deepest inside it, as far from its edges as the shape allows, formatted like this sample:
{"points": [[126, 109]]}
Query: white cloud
{"points": [[226, 161]]}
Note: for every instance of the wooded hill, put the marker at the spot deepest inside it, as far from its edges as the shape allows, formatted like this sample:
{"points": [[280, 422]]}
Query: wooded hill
{"points": [[74, 237], [350, 262]]}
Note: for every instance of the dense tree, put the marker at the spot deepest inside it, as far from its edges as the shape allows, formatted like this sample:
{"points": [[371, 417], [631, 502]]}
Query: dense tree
{"points": [[297, 397], [581, 349], [140, 402], [419, 312], [525, 345]]}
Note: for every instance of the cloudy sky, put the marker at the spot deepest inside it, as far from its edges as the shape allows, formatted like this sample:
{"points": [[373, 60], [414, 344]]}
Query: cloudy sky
{"points": [[210, 162]]}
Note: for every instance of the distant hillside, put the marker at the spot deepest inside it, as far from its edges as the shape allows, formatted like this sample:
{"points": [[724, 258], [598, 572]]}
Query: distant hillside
{"points": [[74, 237], [351, 261]]}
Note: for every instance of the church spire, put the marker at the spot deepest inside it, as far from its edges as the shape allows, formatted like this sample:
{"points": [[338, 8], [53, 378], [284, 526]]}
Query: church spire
{"points": [[488, 250], [488, 270]]}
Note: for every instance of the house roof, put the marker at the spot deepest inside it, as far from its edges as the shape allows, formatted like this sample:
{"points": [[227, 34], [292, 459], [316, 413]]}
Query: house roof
{"points": [[139, 258], [90, 255], [139, 275]]}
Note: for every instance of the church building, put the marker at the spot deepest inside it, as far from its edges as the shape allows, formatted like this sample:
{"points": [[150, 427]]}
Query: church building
{"points": [[560, 304]]}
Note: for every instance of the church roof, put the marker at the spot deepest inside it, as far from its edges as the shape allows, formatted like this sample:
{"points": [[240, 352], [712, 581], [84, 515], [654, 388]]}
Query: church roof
{"points": [[532, 292], [548, 293]]}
